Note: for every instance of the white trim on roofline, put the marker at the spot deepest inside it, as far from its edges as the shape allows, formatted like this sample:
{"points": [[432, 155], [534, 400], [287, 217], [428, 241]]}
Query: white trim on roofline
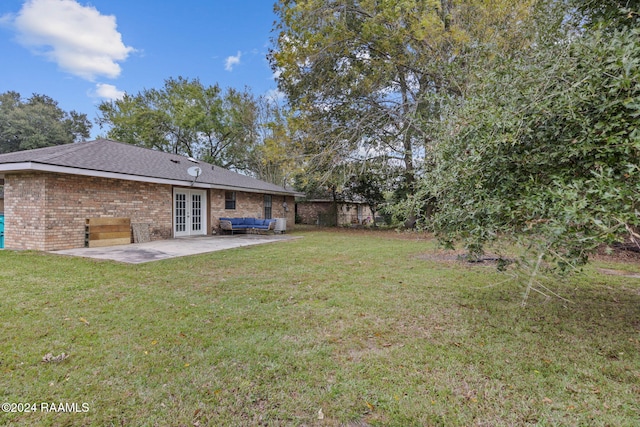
{"points": [[39, 167]]}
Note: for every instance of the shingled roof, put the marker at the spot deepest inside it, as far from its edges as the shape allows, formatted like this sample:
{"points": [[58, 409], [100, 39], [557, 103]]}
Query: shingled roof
{"points": [[111, 159]]}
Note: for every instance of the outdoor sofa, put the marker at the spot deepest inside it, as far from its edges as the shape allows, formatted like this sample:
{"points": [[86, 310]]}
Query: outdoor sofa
{"points": [[244, 225]]}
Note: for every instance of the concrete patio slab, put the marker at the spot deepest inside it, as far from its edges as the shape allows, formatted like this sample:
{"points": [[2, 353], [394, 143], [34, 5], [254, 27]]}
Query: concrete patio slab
{"points": [[137, 253]]}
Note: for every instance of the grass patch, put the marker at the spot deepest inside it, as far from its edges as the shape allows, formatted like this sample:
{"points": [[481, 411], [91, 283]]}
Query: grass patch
{"points": [[360, 325]]}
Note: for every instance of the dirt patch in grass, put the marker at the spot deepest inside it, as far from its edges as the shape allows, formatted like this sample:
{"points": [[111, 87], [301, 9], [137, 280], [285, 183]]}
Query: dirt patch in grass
{"points": [[614, 272], [619, 255], [462, 258], [613, 254]]}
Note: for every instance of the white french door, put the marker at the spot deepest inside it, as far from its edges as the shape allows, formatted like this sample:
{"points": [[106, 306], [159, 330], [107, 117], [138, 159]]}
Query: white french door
{"points": [[189, 212]]}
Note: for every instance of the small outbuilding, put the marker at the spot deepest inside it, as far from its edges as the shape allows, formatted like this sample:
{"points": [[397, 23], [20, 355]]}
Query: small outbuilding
{"points": [[52, 194], [327, 212]]}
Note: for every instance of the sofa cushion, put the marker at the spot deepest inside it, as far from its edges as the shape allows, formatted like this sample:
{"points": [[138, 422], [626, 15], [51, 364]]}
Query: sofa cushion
{"points": [[249, 222]]}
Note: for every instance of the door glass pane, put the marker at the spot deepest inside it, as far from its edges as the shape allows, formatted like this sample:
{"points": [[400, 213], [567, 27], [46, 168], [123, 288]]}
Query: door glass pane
{"points": [[196, 212], [181, 212]]}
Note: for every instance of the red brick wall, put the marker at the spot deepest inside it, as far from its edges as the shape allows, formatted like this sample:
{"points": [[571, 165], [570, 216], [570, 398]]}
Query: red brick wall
{"points": [[24, 220], [48, 211], [308, 211], [250, 205]]}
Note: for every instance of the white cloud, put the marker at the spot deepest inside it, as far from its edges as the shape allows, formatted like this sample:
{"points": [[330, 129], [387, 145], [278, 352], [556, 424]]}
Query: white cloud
{"points": [[275, 95], [109, 92], [78, 38], [232, 61]]}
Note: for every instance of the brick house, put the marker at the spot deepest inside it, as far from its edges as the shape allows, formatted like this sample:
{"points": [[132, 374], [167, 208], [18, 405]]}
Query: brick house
{"points": [[49, 193]]}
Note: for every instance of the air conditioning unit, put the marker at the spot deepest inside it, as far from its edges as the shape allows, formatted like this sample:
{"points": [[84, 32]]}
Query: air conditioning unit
{"points": [[281, 225]]}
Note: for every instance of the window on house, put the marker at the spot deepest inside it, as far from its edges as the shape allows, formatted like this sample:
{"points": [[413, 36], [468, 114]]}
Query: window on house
{"points": [[229, 199], [267, 206]]}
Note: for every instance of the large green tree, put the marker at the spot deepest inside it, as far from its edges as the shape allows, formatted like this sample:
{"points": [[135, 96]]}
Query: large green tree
{"points": [[186, 117], [233, 128], [546, 147], [37, 122], [367, 78]]}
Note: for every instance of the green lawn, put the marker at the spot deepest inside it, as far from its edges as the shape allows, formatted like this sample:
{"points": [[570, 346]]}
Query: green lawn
{"points": [[337, 328]]}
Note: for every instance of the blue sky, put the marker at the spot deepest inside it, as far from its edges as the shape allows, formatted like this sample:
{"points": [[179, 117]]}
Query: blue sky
{"points": [[82, 52]]}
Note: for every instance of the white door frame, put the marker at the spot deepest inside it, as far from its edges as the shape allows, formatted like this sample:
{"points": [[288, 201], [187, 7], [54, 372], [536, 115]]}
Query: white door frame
{"points": [[189, 212]]}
